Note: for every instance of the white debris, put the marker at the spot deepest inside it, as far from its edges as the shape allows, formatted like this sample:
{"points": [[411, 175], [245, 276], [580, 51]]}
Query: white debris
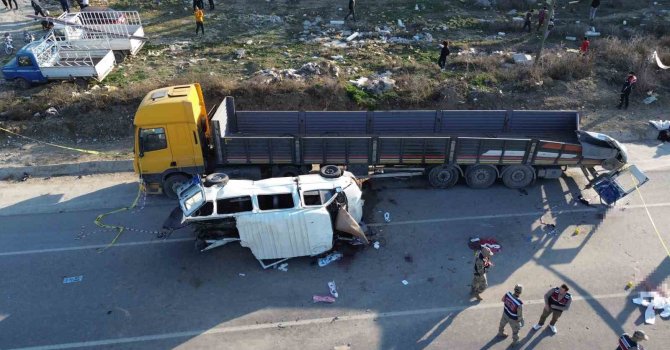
{"points": [[352, 36], [517, 19], [337, 58], [51, 112], [387, 217], [376, 83], [240, 53], [650, 99], [283, 267], [511, 12], [337, 23], [376, 245], [404, 282], [334, 256], [660, 124], [400, 24], [591, 33], [650, 315], [501, 33], [571, 38], [521, 58], [73, 279], [333, 289]]}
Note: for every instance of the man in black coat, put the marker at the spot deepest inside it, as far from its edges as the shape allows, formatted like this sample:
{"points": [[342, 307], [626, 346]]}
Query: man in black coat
{"points": [[352, 10]]}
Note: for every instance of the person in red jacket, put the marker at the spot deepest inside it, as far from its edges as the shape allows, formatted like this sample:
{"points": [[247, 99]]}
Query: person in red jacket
{"points": [[631, 79], [584, 48]]}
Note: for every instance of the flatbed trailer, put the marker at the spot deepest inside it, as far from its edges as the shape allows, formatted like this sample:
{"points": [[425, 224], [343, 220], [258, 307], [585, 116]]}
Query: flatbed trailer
{"points": [[479, 146]]}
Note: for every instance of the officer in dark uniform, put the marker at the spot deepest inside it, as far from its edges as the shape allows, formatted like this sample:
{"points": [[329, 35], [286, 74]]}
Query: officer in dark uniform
{"points": [[556, 301], [512, 313], [626, 342]]}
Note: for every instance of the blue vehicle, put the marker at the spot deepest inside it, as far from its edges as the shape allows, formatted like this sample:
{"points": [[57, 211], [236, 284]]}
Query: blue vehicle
{"points": [[48, 59]]}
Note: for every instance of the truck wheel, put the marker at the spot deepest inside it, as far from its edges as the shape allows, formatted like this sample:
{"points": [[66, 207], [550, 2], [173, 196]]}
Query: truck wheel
{"points": [[480, 175], [330, 171], [443, 176], [518, 176], [22, 83], [288, 171], [171, 183], [81, 83], [119, 56], [216, 179]]}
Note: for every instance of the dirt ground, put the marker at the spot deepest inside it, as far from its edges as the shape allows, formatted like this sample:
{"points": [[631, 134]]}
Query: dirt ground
{"points": [[287, 34]]}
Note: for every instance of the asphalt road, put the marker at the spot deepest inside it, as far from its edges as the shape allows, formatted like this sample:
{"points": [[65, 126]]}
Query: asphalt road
{"points": [[150, 293]]}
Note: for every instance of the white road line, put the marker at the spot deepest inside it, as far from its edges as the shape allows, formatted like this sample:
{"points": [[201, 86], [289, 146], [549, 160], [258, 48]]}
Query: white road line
{"points": [[95, 246], [511, 215], [409, 222], [307, 322]]}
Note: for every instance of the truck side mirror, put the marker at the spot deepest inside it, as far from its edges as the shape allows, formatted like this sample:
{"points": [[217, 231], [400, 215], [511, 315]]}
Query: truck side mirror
{"points": [[140, 141]]}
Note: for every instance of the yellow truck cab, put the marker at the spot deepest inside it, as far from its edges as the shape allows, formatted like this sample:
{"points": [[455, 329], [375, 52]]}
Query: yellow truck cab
{"points": [[170, 126]]}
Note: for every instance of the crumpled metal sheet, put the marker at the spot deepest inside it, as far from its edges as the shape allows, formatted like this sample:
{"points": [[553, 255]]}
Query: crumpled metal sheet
{"points": [[282, 235]]}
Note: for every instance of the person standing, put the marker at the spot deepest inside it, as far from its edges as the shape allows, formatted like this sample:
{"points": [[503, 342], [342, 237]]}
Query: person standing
{"points": [[626, 342], [631, 79], [584, 48], [199, 20], [540, 18], [37, 7], [211, 5], [592, 10], [482, 265], [556, 301], [16, 6], [527, 20], [442, 61], [65, 5], [4, 2], [512, 314], [352, 10]]}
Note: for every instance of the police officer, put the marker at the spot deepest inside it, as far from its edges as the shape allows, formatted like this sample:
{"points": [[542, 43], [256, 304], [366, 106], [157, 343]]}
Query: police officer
{"points": [[482, 265], [556, 301], [626, 342], [512, 314]]}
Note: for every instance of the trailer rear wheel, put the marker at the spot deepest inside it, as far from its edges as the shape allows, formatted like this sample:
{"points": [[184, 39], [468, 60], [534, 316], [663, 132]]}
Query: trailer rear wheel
{"points": [[480, 175], [443, 176], [330, 171], [22, 84], [171, 183], [518, 176]]}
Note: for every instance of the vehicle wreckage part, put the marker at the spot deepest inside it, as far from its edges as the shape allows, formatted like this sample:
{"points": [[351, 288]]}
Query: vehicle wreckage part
{"points": [[287, 171], [216, 179], [518, 176], [480, 175], [172, 182], [330, 171], [443, 176], [346, 223]]}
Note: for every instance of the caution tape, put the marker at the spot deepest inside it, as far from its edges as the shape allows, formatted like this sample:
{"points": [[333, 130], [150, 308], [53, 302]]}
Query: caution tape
{"points": [[52, 144], [653, 224], [118, 228]]}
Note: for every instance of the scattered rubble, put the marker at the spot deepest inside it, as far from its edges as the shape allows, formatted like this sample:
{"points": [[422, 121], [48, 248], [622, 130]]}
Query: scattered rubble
{"points": [[521, 58], [273, 75], [376, 84], [240, 53], [51, 112]]}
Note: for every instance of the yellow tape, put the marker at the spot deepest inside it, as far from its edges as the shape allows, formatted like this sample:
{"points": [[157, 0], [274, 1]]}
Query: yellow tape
{"points": [[52, 144], [660, 238], [118, 228]]}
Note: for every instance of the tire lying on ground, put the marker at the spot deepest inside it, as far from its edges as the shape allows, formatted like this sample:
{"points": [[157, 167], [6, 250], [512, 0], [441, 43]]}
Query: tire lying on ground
{"points": [[216, 179]]}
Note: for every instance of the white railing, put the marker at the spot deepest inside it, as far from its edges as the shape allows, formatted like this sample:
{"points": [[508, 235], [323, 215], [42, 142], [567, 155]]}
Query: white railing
{"points": [[50, 53], [112, 23]]}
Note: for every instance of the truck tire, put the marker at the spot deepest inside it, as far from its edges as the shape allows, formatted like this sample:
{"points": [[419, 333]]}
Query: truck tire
{"points": [[480, 175], [22, 83], [443, 176], [171, 183], [119, 56], [288, 171], [518, 176], [216, 179], [330, 171]]}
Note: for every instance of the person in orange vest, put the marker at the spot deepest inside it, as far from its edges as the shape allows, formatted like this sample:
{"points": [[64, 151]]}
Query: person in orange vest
{"points": [[556, 301], [626, 342], [512, 314], [199, 20], [584, 48]]}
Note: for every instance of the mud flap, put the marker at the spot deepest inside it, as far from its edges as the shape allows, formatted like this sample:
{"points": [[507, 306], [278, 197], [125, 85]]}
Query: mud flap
{"points": [[346, 223]]}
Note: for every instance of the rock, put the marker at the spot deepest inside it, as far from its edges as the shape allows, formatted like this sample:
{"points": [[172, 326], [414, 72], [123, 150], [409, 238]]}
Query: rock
{"points": [[240, 53], [511, 13], [37, 115], [521, 58], [483, 3], [51, 112]]}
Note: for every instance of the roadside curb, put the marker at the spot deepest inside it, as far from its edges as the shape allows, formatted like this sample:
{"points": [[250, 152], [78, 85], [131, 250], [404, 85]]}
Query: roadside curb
{"points": [[84, 168]]}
